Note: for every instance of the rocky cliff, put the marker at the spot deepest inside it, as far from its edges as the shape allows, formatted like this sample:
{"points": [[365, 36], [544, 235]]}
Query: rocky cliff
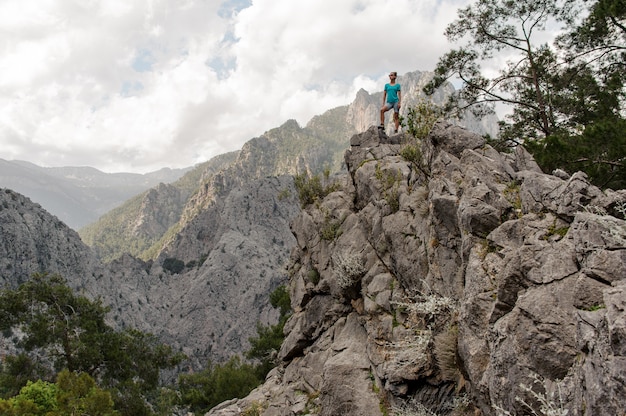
{"points": [[447, 278], [235, 252], [146, 224], [32, 241], [234, 257]]}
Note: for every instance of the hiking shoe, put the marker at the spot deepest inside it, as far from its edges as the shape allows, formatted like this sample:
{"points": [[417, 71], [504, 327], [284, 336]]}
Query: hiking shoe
{"points": [[381, 126]]}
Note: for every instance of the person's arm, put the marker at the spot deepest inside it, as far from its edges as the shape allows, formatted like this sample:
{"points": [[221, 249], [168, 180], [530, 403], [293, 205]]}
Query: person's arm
{"points": [[385, 96], [399, 98]]}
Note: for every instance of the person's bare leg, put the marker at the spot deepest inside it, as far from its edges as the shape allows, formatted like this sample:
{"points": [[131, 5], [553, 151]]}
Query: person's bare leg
{"points": [[382, 116], [396, 120]]}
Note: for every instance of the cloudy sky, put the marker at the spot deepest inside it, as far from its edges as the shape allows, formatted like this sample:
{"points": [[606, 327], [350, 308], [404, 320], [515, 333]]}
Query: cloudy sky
{"points": [[137, 85]]}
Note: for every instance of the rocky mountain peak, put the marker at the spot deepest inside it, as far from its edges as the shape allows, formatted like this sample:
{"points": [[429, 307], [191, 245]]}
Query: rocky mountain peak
{"points": [[447, 277]]}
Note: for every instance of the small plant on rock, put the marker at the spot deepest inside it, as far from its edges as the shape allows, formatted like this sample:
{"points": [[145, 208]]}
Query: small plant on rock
{"points": [[512, 194], [446, 354], [412, 152], [311, 189], [421, 118], [314, 276], [418, 122], [549, 404], [173, 265], [411, 408], [329, 229], [390, 182], [349, 269], [428, 306], [553, 231], [411, 350], [254, 409]]}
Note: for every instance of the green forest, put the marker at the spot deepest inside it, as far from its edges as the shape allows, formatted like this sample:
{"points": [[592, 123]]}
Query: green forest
{"points": [[68, 360]]}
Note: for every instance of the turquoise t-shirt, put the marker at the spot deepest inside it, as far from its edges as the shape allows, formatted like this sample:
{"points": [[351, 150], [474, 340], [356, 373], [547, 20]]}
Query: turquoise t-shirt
{"points": [[392, 92]]}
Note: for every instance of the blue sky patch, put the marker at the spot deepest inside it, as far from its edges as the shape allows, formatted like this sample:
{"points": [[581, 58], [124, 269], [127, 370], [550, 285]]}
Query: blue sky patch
{"points": [[130, 88], [222, 66], [231, 7], [143, 61]]}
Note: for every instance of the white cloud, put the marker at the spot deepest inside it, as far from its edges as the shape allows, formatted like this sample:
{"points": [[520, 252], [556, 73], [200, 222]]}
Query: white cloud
{"points": [[135, 86]]}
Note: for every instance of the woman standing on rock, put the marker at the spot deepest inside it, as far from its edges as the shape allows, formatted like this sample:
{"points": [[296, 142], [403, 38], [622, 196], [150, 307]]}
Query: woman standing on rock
{"points": [[392, 98]]}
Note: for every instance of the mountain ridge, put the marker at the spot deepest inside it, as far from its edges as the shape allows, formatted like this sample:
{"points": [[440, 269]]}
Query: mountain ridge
{"points": [[78, 195], [287, 149]]}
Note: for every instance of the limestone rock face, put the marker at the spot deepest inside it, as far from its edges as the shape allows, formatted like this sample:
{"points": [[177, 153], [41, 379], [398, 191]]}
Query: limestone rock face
{"points": [[464, 281], [233, 254], [33, 241], [158, 212], [235, 251]]}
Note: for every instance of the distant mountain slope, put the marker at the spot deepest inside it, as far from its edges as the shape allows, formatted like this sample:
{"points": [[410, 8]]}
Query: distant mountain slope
{"points": [[209, 308], [78, 195], [151, 221], [135, 226]]}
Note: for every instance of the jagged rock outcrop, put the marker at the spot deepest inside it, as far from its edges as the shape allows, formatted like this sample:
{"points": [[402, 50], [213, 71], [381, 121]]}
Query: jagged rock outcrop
{"points": [[233, 255], [33, 241], [448, 276], [235, 252]]}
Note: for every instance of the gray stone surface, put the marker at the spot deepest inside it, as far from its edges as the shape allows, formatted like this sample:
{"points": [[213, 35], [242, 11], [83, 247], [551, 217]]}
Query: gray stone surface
{"points": [[484, 278]]}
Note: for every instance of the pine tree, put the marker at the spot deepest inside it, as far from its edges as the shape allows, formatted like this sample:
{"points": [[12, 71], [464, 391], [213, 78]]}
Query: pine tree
{"points": [[566, 99]]}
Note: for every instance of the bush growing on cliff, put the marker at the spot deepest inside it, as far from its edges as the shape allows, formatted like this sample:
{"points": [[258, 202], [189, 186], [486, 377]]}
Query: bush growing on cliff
{"points": [[421, 118], [543, 397], [173, 265], [419, 122], [264, 347], [312, 189], [207, 388], [349, 269], [330, 228]]}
